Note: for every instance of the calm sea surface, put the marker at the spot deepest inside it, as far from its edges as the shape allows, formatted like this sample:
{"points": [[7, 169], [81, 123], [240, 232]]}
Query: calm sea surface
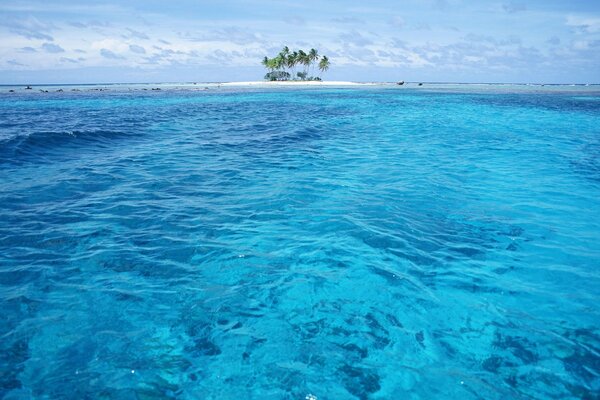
{"points": [[337, 243]]}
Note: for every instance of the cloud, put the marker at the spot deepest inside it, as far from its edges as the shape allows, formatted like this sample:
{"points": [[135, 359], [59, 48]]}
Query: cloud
{"points": [[584, 24], [110, 55], [68, 60], [15, 63], [52, 48], [78, 24], [166, 56], [422, 26], [228, 34], [508, 41], [30, 28], [135, 34], [298, 21], [116, 46], [582, 45], [137, 49], [355, 38], [397, 22], [553, 41], [513, 7], [441, 5], [220, 56], [347, 20], [398, 43], [89, 24], [400, 23], [152, 60], [477, 52], [27, 49]]}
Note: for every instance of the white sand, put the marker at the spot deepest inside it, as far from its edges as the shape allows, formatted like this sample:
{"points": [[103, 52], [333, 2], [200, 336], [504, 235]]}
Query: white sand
{"points": [[296, 83]]}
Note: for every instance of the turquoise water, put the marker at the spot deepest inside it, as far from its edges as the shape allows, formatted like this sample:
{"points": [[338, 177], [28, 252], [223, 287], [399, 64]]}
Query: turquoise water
{"points": [[368, 243]]}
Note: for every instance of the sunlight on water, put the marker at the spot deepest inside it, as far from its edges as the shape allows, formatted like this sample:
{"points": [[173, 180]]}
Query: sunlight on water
{"points": [[300, 244]]}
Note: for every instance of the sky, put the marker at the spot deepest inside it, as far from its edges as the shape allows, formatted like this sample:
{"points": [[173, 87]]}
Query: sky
{"points": [[534, 41]]}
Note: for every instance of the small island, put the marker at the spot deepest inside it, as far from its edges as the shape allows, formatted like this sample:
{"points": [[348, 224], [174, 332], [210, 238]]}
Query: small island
{"points": [[283, 66]]}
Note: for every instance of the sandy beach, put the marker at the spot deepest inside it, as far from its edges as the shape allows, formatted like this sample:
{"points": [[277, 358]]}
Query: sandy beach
{"points": [[297, 83]]}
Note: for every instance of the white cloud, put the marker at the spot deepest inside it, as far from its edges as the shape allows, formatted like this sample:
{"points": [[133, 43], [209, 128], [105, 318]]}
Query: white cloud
{"points": [[354, 37], [137, 49], [136, 34], [68, 60], [110, 54], [513, 7], [584, 24], [230, 34], [114, 45], [30, 28], [52, 48], [15, 63], [397, 22]]}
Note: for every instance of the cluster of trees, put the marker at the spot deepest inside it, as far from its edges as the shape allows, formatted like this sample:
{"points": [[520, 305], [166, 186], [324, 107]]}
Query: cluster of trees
{"points": [[283, 66]]}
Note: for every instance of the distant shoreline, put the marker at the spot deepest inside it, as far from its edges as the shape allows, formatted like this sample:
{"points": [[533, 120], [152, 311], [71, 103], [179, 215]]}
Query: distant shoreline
{"points": [[591, 89], [300, 83]]}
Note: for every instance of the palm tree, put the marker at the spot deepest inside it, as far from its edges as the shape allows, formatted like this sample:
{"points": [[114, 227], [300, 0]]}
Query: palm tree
{"points": [[324, 64], [288, 60], [282, 56], [313, 56], [292, 60], [267, 62], [278, 62], [306, 63], [304, 60], [285, 53]]}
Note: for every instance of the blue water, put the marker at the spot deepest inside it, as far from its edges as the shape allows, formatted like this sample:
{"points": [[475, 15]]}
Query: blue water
{"points": [[367, 243]]}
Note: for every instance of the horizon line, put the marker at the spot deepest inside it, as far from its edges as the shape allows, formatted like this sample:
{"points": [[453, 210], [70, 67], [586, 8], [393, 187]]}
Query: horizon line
{"points": [[382, 82]]}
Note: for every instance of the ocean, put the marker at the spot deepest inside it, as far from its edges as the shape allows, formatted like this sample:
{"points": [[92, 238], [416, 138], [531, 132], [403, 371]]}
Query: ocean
{"points": [[384, 242]]}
